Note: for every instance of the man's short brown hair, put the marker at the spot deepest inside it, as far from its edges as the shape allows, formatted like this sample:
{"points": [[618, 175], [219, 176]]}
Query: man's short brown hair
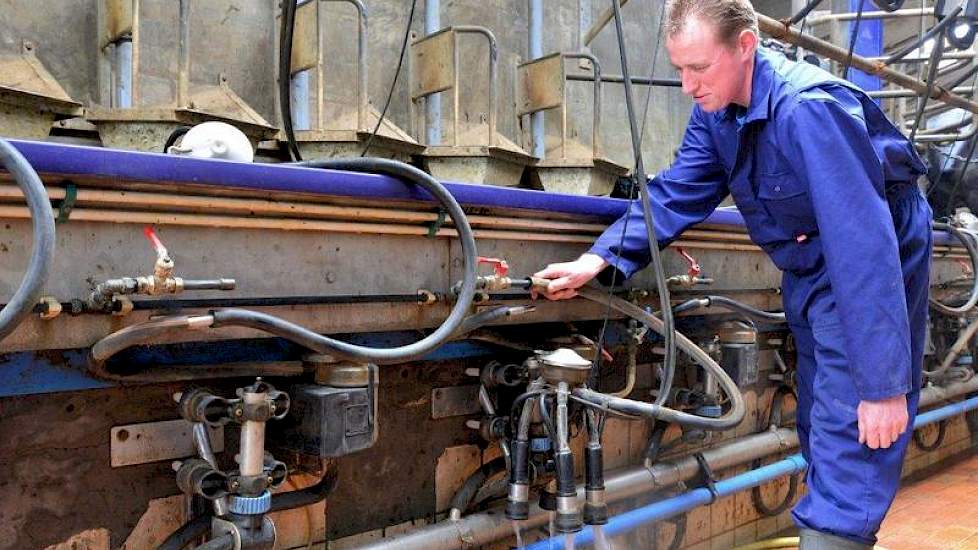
{"points": [[729, 17]]}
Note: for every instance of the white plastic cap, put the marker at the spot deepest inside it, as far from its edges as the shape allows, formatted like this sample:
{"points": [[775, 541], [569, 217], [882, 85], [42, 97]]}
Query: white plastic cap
{"points": [[215, 140]]}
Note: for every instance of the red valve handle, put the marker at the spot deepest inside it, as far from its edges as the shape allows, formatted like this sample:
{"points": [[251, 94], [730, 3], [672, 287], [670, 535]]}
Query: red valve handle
{"points": [[499, 266], [155, 241], [694, 266]]}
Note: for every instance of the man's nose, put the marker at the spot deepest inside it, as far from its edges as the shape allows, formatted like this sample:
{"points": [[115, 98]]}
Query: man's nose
{"points": [[690, 84]]}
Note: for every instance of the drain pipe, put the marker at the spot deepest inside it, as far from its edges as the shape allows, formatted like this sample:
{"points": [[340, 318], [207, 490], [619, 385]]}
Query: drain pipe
{"points": [[432, 24], [489, 526], [665, 509], [535, 51]]}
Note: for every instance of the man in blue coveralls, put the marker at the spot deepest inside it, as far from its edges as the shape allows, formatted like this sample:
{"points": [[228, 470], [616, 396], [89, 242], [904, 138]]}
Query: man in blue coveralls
{"points": [[826, 186]]}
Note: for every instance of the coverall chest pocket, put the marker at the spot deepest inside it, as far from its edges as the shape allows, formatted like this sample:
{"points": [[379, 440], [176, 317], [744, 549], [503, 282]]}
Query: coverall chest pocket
{"points": [[787, 202]]}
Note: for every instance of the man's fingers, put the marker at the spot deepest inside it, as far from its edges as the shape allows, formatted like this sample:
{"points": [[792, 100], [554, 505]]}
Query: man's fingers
{"points": [[873, 438], [558, 285], [862, 430]]}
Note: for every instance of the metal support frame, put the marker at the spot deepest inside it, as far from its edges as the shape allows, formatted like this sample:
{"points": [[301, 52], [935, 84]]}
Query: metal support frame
{"points": [[780, 31], [431, 55], [542, 86]]}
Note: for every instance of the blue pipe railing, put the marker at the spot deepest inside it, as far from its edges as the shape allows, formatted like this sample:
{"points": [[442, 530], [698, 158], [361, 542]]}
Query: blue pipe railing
{"points": [[664, 509]]}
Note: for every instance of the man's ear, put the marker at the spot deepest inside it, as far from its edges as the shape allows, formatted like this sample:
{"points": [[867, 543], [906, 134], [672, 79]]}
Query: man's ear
{"points": [[747, 43]]}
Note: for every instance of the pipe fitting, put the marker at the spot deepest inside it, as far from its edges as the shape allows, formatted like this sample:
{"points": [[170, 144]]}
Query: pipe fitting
{"points": [[197, 477]]}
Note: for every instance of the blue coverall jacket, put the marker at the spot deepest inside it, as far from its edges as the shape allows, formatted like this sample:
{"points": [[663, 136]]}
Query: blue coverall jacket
{"points": [[826, 186]]}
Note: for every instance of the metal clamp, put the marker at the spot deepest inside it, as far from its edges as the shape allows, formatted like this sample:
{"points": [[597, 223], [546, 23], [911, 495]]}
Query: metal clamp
{"points": [[706, 477]]}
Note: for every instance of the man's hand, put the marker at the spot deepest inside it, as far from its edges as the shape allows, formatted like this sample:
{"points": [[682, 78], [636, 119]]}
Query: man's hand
{"points": [[566, 278], [882, 422]]}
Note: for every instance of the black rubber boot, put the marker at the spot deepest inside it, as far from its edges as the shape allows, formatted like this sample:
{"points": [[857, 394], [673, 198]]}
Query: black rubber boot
{"points": [[817, 540]]}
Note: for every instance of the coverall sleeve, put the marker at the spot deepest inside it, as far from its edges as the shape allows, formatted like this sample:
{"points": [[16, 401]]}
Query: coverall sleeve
{"points": [[827, 141], [681, 196]]}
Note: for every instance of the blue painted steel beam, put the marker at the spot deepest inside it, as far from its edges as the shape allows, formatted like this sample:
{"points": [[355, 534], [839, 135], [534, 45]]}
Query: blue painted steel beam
{"points": [[667, 508]]}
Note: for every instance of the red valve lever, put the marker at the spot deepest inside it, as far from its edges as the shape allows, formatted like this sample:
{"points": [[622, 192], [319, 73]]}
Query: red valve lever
{"points": [[500, 266], [694, 266], [155, 241]]}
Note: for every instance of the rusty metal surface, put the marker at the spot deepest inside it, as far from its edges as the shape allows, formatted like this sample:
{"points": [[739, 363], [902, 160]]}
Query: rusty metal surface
{"points": [[450, 401], [540, 84], [118, 20], [433, 64], [155, 441]]}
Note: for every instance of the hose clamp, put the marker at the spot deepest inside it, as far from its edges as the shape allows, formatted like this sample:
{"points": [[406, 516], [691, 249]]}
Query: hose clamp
{"points": [[250, 506]]}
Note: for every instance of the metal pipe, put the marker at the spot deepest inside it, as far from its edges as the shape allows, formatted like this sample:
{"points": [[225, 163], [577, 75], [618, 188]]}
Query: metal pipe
{"points": [[123, 71], [603, 19], [432, 23], [535, 51], [895, 94], [300, 100], [183, 75], [252, 438], [202, 442], [493, 62], [487, 527], [850, 16], [967, 54], [596, 119], [619, 79], [670, 507], [361, 60], [790, 35]]}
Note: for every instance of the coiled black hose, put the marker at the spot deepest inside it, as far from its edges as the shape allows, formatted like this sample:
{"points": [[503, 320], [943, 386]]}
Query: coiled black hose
{"points": [[19, 307], [189, 532], [775, 420], [732, 305], [466, 494], [970, 242]]}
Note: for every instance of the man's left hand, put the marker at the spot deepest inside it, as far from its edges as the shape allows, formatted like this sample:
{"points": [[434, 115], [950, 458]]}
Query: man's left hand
{"points": [[882, 422]]}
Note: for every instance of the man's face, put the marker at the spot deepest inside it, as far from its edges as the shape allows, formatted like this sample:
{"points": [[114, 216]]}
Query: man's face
{"points": [[714, 74]]}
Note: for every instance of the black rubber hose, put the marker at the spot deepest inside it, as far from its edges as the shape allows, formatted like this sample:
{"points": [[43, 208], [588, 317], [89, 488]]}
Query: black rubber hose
{"points": [[803, 13], [20, 306], [309, 495], [669, 327], [918, 438], [188, 533], [466, 494], [285, 74], [931, 33], [970, 242], [747, 310], [171, 139], [731, 418], [774, 420], [889, 5]]}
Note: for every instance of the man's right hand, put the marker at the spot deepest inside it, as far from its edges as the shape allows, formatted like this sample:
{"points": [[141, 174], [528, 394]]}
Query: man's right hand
{"points": [[565, 278]]}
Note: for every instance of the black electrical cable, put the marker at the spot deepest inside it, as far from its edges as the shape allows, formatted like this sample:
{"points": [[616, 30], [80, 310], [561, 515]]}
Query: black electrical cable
{"points": [[935, 60], [669, 330], [310, 495], [28, 293], [852, 41], [918, 438], [938, 28], [397, 73], [285, 74], [224, 542], [187, 533], [774, 420], [466, 494], [803, 12]]}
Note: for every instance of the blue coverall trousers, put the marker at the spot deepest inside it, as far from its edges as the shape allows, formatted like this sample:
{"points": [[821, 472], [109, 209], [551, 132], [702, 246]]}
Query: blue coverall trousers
{"points": [[850, 486]]}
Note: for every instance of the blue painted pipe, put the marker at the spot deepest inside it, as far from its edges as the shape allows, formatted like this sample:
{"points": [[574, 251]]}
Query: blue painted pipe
{"points": [[664, 509]]}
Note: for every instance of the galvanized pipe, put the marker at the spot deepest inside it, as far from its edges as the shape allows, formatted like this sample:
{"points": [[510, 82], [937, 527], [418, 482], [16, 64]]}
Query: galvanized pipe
{"points": [[123, 71], [300, 100], [895, 94], [487, 527], [252, 439], [183, 75], [790, 35], [493, 62], [202, 442], [851, 16], [535, 51], [432, 24]]}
